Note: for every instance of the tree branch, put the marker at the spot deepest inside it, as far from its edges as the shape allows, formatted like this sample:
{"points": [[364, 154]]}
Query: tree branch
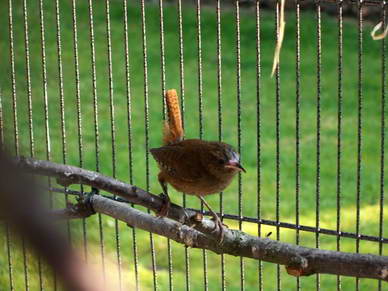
{"points": [[299, 261]]}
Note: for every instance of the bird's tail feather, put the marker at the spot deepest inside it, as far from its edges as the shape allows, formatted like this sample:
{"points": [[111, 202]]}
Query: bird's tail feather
{"points": [[173, 130]]}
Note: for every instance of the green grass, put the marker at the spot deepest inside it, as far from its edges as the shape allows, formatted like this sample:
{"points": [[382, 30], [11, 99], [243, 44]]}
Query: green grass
{"points": [[370, 191]]}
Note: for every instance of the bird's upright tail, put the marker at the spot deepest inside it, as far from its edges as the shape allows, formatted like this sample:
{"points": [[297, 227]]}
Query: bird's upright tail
{"points": [[173, 130]]}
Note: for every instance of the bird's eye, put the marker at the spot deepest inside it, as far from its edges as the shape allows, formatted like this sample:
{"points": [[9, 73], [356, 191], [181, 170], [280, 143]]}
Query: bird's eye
{"points": [[221, 161]]}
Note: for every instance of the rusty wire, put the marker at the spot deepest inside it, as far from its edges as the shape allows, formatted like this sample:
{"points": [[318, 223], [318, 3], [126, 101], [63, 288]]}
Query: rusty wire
{"points": [[339, 130], [382, 138]]}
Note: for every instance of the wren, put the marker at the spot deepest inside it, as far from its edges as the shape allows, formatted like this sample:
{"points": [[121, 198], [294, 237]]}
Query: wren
{"points": [[193, 166]]}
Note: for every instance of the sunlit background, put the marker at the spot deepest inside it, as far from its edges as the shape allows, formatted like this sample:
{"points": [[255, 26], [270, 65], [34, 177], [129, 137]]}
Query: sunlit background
{"points": [[196, 269]]}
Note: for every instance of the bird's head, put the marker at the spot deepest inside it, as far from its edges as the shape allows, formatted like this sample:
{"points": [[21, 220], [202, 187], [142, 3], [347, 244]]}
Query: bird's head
{"points": [[226, 159]]}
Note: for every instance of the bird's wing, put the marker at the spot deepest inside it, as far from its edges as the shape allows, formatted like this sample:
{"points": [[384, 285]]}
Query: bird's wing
{"points": [[178, 162]]}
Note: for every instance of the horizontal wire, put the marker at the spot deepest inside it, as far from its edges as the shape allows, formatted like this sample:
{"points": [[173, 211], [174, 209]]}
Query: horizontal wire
{"points": [[253, 220], [351, 2]]}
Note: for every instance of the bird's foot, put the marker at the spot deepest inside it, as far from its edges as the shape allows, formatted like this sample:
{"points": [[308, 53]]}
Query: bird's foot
{"points": [[165, 206], [219, 227]]}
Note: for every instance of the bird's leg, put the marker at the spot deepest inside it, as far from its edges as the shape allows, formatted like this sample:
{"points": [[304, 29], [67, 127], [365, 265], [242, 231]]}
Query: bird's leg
{"points": [[217, 221], [166, 200]]}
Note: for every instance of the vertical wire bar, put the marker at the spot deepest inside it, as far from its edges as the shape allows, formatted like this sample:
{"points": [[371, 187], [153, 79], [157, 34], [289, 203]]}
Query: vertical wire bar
{"points": [[200, 112], [297, 130], [46, 113], [79, 112], [30, 126], [28, 80], [61, 104], [199, 64], [277, 133], [238, 87], [113, 129], [382, 138], [318, 145], [258, 118], [16, 133], [146, 128], [9, 256], [182, 93], [96, 129], [13, 79], [359, 128], [62, 110], [162, 57], [163, 86], [339, 131], [60, 84], [181, 65], [129, 121], [220, 128], [7, 233]]}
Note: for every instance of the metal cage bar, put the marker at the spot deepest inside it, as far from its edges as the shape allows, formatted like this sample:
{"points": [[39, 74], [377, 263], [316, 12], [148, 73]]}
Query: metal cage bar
{"points": [[46, 110], [79, 112], [318, 136], [163, 87], [239, 130], [297, 128], [359, 127], [182, 104], [219, 116], [146, 127], [339, 129], [130, 142], [277, 134], [96, 124], [382, 134], [200, 114], [258, 120]]}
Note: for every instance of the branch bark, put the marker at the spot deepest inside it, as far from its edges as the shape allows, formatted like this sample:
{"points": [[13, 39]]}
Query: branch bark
{"points": [[299, 261]]}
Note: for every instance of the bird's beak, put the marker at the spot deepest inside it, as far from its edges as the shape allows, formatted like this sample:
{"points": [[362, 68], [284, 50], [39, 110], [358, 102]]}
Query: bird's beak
{"points": [[241, 168], [235, 165]]}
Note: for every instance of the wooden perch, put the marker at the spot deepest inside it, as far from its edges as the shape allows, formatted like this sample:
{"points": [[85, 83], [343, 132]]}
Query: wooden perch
{"points": [[299, 261]]}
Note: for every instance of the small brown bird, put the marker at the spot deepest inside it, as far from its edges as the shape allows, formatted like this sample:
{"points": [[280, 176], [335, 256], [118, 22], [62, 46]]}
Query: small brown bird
{"points": [[193, 166]]}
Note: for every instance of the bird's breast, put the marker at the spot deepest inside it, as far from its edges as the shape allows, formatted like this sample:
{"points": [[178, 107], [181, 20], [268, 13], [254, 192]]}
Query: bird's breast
{"points": [[205, 186]]}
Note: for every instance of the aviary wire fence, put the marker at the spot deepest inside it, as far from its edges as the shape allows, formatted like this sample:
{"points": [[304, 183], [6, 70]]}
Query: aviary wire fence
{"points": [[77, 90]]}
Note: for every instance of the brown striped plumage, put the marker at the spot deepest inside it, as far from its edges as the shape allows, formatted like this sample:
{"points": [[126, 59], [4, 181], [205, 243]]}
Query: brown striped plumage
{"points": [[193, 166]]}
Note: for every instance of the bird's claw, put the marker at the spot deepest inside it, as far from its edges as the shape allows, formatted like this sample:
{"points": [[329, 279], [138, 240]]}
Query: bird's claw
{"points": [[219, 227], [165, 206]]}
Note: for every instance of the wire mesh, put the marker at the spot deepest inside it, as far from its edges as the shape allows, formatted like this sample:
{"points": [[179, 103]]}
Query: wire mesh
{"points": [[96, 126], [297, 130], [146, 125], [129, 121], [46, 113], [277, 136], [318, 138], [239, 130], [96, 110], [339, 129], [219, 115], [182, 95], [258, 117], [382, 139]]}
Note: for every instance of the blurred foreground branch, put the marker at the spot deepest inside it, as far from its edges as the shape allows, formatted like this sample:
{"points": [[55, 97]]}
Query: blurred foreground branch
{"points": [[23, 212], [195, 231]]}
